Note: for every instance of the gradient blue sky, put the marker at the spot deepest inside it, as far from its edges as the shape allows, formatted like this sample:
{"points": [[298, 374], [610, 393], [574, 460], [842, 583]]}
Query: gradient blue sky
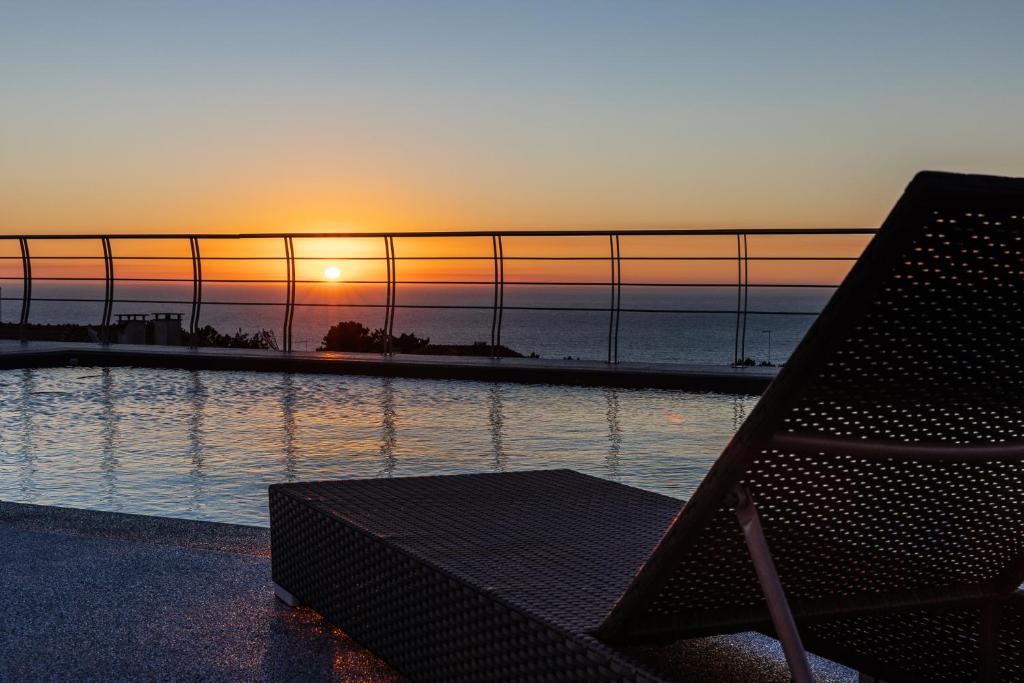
{"points": [[313, 115]]}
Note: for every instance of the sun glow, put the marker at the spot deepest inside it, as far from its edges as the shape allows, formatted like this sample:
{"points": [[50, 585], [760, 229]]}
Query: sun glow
{"points": [[332, 273]]}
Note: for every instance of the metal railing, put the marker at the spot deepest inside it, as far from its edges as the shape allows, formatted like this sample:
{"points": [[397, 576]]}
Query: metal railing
{"points": [[497, 258]]}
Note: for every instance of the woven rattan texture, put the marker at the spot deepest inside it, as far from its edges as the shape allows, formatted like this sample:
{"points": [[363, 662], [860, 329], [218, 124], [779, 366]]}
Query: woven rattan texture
{"points": [[472, 577], [926, 645], [842, 526], [1011, 640], [934, 647], [935, 358]]}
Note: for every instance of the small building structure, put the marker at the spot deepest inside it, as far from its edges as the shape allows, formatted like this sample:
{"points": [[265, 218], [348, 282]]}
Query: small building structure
{"points": [[136, 328], [131, 328], [166, 329]]}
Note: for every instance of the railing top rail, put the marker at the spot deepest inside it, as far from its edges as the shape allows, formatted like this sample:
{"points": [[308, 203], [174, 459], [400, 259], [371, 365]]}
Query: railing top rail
{"points": [[454, 233]]}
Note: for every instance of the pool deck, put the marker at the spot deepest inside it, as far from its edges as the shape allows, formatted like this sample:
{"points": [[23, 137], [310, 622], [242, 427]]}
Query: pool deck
{"points": [[108, 596], [751, 380]]}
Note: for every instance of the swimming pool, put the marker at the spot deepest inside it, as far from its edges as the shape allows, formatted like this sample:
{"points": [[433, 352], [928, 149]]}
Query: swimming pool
{"points": [[206, 444]]}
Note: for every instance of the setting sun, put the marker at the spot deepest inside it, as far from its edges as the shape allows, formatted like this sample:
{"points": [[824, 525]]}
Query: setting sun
{"points": [[332, 273]]}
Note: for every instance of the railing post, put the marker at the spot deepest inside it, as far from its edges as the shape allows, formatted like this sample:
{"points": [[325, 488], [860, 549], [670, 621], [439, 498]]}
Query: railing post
{"points": [[499, 294], [197, 291], [618, 295], [108, 289], [494, 309], [389, 301], [746, 297], [26, 286], [736, 360], [387, 292], [501, 287], [615, 305], [394, 293], [289, 307]]}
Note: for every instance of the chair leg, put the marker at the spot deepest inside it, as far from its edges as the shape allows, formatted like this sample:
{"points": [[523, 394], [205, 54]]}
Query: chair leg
{"points": [[988, 642], [284, 596], [778, 605]]}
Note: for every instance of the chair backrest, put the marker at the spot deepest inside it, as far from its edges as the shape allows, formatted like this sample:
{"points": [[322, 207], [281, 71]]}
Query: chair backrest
{"points": [[887, 458]]}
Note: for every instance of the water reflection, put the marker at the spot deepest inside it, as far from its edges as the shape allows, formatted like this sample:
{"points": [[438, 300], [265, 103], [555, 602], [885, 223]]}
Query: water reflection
{"points": [[288, 400], [27, 472], [207, 444], [496, 420], [614, 432], [108, 436], [196, 395], [388, 434], [739, 411]]}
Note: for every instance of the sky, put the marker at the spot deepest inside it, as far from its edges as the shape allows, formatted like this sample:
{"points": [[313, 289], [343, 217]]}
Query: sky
{"points": [[265, 116]]}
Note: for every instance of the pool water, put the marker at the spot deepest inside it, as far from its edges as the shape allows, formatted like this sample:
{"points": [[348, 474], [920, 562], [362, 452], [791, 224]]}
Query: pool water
{"points": [[206, 444]]}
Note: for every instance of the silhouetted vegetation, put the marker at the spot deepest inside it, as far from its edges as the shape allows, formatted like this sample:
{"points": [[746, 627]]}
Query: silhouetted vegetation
{"points": [[350, 335], [205, 336], [209, 336], [60, 333], [750, 362]]}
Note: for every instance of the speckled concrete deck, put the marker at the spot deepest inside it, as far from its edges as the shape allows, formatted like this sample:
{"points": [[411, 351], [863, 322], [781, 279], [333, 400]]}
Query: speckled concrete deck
{"points": [[105, 596]]}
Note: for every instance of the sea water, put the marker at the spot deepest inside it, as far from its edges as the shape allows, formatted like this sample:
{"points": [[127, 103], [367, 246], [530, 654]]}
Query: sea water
{"points": [[706, 333]]}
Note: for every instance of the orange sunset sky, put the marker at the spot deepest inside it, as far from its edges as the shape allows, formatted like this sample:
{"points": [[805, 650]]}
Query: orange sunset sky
{"points": [[263, 116]]}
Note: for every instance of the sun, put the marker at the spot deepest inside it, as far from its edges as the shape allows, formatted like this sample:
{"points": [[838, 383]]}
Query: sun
{"points": [[332, 273]]}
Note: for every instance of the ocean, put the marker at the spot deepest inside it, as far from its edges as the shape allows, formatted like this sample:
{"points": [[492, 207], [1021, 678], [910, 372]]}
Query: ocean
{"points": [[677, 337]]}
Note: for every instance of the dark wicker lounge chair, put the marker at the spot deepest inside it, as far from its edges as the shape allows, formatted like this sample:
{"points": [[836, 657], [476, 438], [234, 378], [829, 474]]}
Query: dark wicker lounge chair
{"points": [[878, 486]]}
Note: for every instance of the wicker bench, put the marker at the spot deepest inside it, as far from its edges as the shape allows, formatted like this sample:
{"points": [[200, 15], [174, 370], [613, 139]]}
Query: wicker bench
{"points": [[471, 577], [869, 509]]}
